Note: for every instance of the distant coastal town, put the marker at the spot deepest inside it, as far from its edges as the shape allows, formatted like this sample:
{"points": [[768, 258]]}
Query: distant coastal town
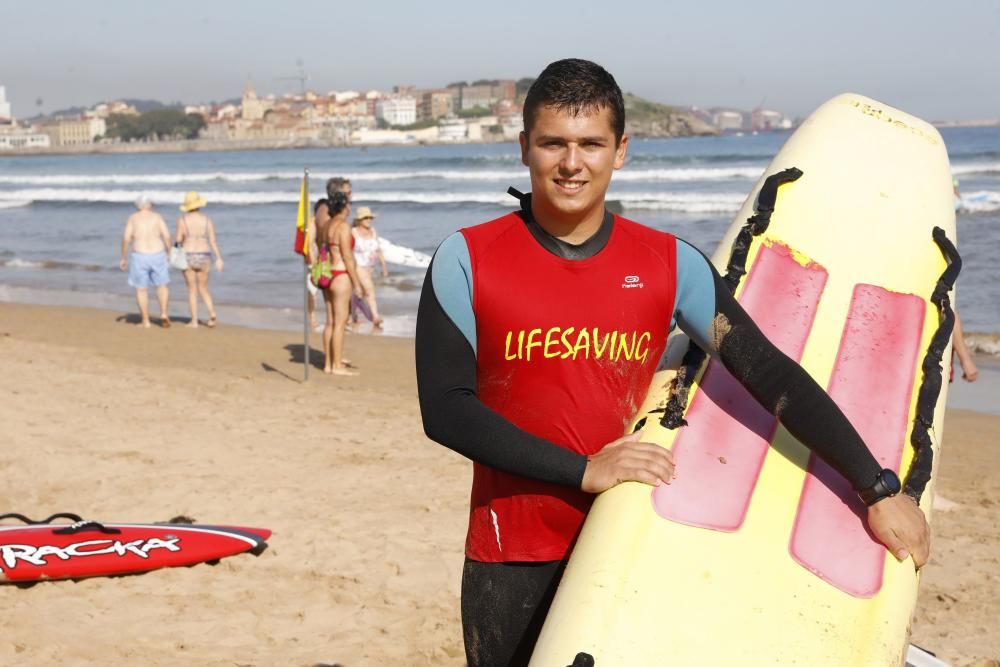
{"points": [[483, 111]]}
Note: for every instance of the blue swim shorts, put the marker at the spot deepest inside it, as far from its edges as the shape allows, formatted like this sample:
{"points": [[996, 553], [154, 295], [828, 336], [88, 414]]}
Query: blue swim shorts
{"points": [[148, 269]]}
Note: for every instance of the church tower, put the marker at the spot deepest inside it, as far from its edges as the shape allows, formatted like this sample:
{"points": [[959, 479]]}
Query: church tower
{"points": [[253, 109]]}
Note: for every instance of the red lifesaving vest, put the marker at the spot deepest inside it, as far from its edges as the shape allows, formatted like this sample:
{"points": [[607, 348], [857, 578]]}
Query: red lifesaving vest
{"points": [[566, 350]]}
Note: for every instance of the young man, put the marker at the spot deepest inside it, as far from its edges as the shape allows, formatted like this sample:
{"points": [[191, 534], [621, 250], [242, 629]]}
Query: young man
{"points": [[147, 233], [511, 372]]}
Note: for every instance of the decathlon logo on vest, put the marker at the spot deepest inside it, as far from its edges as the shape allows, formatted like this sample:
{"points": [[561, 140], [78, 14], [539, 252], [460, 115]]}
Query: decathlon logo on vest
{"points": [[632, 282]]}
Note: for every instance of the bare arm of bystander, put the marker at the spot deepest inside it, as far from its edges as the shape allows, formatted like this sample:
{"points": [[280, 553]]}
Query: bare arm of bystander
{"points": [[969, 370], [164, 234], [381, 258], [126, 240], [343, 241], [181, 232], [215, 245]]}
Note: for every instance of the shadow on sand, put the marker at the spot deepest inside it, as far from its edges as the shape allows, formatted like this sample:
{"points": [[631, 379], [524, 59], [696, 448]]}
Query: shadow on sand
{"points": [[296, 354], [135, 319]]}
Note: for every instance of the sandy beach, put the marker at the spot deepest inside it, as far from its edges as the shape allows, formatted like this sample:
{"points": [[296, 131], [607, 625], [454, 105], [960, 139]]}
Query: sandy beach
{"points": [[121, 424]]}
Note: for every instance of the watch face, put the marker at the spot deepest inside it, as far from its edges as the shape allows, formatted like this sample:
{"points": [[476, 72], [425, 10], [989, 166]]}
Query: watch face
{"points": [[891, 481]]}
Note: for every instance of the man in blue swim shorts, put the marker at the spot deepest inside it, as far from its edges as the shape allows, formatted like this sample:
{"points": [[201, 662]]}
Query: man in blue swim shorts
{"points": [[147, 233]]}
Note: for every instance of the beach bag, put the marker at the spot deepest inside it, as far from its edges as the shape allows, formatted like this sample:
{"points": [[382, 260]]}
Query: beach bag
{"points": [[178, 258], [321, 271]]}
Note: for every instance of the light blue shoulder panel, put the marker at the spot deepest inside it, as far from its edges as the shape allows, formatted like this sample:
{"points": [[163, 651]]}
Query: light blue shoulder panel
{"points": [[451, 277], [695, 307]]}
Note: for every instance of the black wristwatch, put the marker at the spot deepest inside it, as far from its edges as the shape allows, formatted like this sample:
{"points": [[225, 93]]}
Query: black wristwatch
{"points": [[886, 485]]}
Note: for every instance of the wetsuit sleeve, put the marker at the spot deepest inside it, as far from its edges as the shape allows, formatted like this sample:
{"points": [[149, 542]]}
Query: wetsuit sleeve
{"points": [[707, 312], [452, 412]]}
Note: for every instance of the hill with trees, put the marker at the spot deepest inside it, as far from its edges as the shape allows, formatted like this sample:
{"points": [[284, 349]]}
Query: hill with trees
{"points": [[644, 118], [155, 125]]}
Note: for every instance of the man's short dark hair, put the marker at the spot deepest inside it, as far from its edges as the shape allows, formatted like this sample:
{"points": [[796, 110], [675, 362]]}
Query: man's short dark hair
{"points": [[336, 184], [576, 86]]}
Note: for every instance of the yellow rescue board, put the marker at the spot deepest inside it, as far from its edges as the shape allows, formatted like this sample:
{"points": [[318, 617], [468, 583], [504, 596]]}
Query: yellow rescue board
{"points": [[653, 579]]}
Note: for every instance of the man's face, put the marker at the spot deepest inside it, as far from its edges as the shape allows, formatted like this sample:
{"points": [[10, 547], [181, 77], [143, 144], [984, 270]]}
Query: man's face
{"points": [[346, 189], [571, 159]]}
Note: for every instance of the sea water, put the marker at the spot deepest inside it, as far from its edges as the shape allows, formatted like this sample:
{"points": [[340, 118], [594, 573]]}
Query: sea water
{"points": [[61, 217]]}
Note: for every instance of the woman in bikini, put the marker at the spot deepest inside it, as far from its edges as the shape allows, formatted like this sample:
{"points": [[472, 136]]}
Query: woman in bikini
{"points": [[196, 234], [337, 247], [366, 253]]}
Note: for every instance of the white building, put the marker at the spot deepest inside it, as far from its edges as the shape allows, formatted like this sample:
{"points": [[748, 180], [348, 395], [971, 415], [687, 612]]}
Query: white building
{"points": [[728, 120], [5, 114], [369, 136], [768, 119], [346, 96], [452, 129], [17, 138], [397, 110], [512, 126]]}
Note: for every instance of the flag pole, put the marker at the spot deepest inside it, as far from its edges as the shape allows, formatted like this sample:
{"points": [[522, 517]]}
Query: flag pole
{"points": [[306, 352]]}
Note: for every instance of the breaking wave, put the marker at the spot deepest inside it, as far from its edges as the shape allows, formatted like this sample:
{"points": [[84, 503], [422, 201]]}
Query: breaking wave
{"points": [[983, 201], [18, 263], [317, 178], [969, 168], [690, 202]]}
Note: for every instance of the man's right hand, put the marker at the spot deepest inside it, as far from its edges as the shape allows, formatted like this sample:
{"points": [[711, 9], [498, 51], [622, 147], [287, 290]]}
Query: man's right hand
{"points": [[123, 264], [627, 459]]}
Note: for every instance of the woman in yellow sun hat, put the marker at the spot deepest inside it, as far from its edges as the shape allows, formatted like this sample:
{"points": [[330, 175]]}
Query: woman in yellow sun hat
{"points": [[196, 234]]}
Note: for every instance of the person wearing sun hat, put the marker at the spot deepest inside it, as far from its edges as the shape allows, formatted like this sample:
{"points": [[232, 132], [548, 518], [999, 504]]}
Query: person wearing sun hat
{"points": [[366, 253], [192, 202], [196, 234]]}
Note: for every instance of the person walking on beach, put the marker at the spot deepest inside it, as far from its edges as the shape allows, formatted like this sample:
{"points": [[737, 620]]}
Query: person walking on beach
{"points": [[196, 233], [366, 253], [335, 272], [316, 228], [147, 234], [512, 373]]}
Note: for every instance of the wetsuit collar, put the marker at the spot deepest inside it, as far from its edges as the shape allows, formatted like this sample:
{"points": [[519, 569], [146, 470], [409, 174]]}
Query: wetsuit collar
{"points": [[558, 247]]}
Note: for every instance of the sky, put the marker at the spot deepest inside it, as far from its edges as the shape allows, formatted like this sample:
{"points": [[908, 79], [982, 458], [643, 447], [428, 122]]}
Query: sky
{"points": [[937, 60]]}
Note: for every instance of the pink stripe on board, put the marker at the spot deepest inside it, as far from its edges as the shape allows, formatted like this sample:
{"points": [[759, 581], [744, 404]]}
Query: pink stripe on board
{"points": [[872, 382], [720, 453]]}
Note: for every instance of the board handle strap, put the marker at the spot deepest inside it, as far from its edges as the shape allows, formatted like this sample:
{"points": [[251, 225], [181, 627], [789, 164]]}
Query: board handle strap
{"points": [[79, 524], [756, 224], [31, 522], [930, 387]]}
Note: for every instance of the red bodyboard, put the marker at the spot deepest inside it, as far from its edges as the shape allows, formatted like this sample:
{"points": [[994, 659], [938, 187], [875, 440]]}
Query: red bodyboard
{"points": [[38, 552]]}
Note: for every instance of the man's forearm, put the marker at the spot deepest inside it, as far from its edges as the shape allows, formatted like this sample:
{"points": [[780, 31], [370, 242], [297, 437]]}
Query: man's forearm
{"points": [[708, 313], [787, 391], [455, 417]]}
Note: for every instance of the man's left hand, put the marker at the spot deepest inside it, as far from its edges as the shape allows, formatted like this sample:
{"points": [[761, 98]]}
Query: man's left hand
{"points": [[900, 525]]}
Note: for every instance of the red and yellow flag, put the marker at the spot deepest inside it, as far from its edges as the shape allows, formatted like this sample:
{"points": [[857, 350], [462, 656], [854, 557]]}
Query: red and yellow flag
{"points": [[302, 222]]}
